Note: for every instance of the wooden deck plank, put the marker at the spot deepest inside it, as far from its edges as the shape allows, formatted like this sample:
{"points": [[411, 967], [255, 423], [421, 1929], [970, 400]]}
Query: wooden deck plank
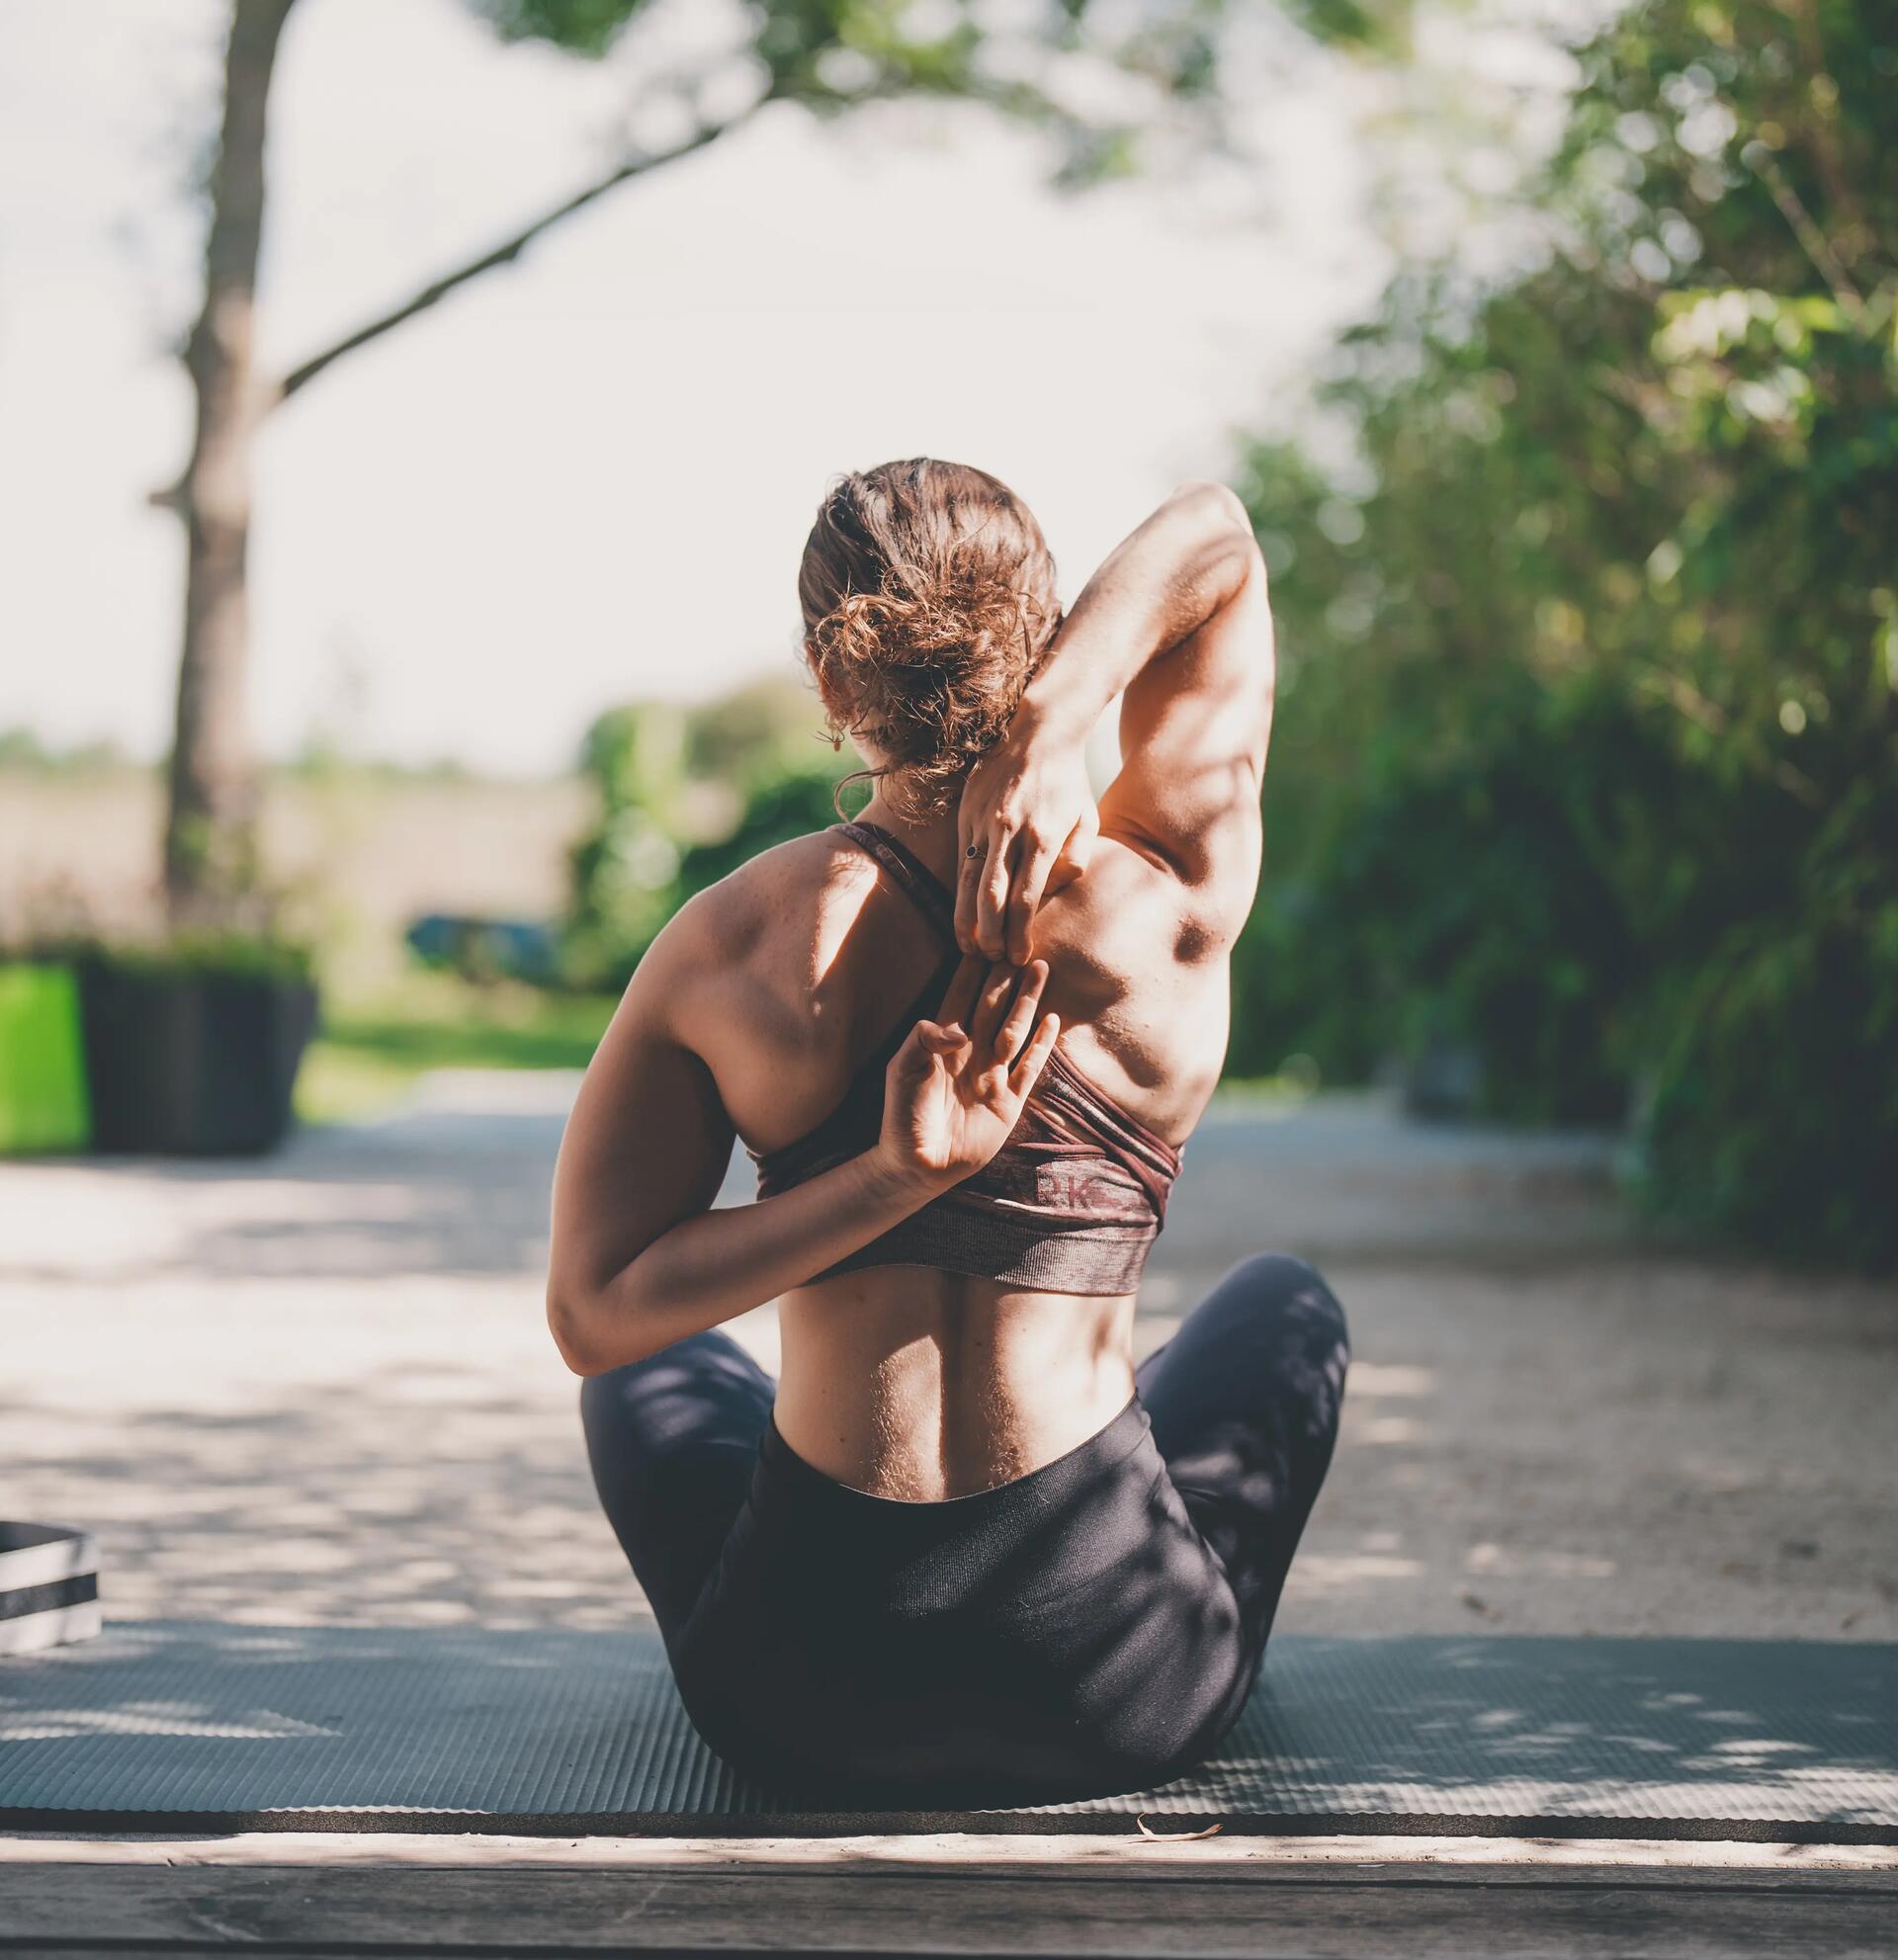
{"points": [[1120, 1850], [1267, 1910]]}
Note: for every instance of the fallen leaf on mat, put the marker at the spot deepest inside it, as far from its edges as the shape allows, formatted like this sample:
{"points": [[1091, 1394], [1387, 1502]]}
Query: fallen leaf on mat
{"points": [[1175, 1837]]}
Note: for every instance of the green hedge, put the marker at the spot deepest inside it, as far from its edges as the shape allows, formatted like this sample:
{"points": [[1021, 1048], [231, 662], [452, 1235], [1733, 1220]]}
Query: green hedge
{"points": [[1588, 756]]}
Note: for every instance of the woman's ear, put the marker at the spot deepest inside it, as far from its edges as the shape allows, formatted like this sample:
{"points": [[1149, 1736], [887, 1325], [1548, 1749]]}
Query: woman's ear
{"points": [[838, 722]]}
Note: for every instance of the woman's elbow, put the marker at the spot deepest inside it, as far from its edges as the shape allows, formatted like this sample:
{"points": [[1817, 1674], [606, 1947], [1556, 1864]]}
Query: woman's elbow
{"points": [[1218, 554], [568, 1324], [575, 1326], [1217, 505]]}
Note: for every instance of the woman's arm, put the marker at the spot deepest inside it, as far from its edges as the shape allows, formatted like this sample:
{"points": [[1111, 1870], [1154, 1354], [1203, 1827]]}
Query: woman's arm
{"points": [[639, 1262], [1175, 623]]}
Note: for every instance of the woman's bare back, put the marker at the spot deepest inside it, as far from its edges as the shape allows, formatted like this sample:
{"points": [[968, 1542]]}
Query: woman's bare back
{"points": [[907, 1380]]}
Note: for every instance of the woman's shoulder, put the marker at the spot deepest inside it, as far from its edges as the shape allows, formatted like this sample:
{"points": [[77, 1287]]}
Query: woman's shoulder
{"points": [[779, 894], [759, 944], [765, 976]]}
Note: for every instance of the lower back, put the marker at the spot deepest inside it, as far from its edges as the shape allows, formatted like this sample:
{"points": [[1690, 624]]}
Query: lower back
{"points": [[920, 1386]]}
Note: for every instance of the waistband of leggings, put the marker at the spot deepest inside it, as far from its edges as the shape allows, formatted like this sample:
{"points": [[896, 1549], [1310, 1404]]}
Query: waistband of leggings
{"points": [[1035, 1494]]}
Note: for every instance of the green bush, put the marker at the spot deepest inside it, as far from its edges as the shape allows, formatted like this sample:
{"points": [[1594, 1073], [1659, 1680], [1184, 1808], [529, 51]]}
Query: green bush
{"points": [[685, 797], [1772, 1100], [1588, 759], [1765, 1116], [187, 952], [1462, 900]]}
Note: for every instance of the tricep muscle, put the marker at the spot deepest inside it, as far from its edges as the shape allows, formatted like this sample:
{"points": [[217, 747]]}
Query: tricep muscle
{"points": [[1194, 725], [649, 1139]]}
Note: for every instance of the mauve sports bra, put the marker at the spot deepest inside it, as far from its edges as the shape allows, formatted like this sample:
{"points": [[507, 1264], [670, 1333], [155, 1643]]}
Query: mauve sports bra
{"points": [[1071, 1203]]}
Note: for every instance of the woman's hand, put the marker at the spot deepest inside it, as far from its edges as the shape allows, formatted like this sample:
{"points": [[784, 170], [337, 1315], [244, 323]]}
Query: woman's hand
{"points": [[953, 1091], [1028, 809]]}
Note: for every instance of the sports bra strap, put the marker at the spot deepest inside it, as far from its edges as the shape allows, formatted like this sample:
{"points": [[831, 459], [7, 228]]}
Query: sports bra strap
{"points": [[926, 890]]}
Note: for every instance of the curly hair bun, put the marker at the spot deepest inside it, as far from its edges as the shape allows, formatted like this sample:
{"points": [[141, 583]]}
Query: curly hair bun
{"points": [[928, 597]]}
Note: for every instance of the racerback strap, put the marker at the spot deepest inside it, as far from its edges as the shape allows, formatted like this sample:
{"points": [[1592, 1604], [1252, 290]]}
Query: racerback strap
{"points": [[925, 890]]}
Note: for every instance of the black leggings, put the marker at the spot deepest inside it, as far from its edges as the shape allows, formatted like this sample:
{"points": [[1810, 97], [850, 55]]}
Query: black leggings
{"points": [[1092, 1627]]}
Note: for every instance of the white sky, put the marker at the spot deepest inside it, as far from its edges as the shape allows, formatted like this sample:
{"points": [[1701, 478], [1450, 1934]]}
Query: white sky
{"points": [[587, 478]]}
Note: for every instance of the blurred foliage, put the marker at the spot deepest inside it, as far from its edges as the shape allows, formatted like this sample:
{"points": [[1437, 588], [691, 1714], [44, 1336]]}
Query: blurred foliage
{"points": [[1043, 63], [1588, 757], [686, 795]]}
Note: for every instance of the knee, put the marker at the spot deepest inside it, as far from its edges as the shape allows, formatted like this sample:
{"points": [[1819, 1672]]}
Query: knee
{"points": [[685, 1368], [600, 1396], [604, 1392], [612, 1407], [1283, 1282], [1294, 1292]]}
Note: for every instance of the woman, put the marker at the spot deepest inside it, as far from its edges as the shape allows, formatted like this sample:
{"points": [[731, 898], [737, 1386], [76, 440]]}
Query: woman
{"points": [[961, 1548]]}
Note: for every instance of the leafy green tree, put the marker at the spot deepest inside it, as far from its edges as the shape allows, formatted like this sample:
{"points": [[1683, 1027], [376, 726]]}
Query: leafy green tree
{"points": [[1590, 754], [685, 796], [623, 869], [830, 56]]}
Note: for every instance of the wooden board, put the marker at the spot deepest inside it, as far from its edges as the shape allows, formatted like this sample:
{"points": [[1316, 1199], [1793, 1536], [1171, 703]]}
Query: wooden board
{"points": [[1265, 1909]]}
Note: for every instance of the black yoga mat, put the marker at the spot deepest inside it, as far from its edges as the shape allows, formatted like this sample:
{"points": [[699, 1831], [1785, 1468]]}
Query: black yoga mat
{"points": [[159, 1725]]}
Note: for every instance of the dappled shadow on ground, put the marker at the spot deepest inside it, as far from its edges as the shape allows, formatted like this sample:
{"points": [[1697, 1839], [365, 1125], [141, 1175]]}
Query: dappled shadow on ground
{"points": [[421, 1500], [428, 1194], [1620, 1451], [321, 1386]]}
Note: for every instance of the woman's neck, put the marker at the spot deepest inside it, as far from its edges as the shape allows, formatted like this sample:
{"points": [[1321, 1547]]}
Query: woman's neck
{"points": [[933, 841]]}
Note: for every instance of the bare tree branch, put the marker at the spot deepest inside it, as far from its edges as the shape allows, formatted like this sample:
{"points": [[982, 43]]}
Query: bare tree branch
{"points": [[1805, 228], [1019, 99], [504, 253]]}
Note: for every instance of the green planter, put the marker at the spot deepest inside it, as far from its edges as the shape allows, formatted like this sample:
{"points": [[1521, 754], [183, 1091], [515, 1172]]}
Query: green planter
{"points": [[43, 1064]]}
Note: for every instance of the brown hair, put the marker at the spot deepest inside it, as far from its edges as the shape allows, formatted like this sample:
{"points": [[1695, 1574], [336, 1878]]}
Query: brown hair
{"points": [[928, 597]]}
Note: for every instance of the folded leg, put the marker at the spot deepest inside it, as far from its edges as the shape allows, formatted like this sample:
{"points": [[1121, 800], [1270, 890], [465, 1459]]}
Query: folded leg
{"points": [[1245, 1403], [671, 1440]]}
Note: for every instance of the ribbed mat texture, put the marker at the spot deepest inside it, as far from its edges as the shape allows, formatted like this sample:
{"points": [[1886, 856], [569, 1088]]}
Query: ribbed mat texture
{"points": [[167, 1726]]}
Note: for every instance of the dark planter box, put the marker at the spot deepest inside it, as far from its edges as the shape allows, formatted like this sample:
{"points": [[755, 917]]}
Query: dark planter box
{"points": [[192, 1064]]}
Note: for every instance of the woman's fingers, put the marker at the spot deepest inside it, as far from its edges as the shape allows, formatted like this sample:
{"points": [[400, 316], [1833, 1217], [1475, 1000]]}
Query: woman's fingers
{"points": [[1073, 858], [997, 989], [1022, 1077], [992, 893], [991, 1007], [968, 871], [1034, 861], [1021, 1012], [974, 878], [959, 1000]]}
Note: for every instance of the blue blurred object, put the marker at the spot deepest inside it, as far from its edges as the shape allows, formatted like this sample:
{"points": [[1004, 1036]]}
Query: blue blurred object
{"points": [[487, 949]]}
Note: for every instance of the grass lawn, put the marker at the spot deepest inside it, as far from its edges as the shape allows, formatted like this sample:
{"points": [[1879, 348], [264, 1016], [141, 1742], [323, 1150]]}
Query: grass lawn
{"points": [[370, 1050]]}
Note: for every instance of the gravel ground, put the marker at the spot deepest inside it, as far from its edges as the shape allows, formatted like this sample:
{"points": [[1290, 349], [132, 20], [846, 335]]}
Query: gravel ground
{"points": [[319, 1388]]}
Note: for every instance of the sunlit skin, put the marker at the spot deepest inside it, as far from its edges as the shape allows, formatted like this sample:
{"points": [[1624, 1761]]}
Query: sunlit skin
{"points": [[1106, 927]]}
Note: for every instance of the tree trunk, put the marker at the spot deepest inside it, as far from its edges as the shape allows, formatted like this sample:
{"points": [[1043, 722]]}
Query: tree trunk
{"points": [[209, 826]]}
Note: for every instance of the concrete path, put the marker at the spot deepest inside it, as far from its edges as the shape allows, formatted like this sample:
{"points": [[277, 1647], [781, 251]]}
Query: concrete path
{"points": [[320, 1388]]}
